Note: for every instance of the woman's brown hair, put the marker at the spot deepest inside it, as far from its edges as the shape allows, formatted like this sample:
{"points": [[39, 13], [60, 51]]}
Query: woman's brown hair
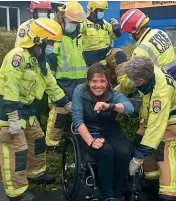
{"points": [[100, 69]]}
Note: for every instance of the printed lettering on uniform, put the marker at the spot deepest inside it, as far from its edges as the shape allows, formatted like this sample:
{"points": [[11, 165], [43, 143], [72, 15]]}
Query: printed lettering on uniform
{"points": [[16, 60], [161, 41], [22, 32], [97, 26], [156, 106], [90, 26]]}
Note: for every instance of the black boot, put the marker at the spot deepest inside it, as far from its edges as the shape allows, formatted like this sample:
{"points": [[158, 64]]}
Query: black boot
{"points": [[26, 196], [46, 178]]}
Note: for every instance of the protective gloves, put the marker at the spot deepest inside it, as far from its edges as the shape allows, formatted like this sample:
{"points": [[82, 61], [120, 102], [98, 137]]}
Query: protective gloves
{"points": [[134, 165], [114, 23], [14, 122], [68, 107]]}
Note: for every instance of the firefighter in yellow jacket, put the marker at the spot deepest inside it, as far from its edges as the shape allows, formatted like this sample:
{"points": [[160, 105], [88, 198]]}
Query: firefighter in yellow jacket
{"points": [[152, 43], [38, 10], [25, 76], [97, 33], [157, 132], [71, 67]]}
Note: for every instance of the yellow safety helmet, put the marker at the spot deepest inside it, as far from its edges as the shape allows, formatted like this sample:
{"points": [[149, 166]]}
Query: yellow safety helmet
{"points": [[92, 5], [41, 30], [73, 11]]}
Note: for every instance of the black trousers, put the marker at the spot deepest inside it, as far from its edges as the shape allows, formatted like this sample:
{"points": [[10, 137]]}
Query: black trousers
{"points": [[113, 162]]}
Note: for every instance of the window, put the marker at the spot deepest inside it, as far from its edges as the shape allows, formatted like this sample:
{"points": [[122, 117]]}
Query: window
{"points": [[9, 17]]}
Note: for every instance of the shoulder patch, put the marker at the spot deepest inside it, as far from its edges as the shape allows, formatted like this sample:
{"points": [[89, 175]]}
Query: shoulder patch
{"points": [[156, 106], [16, 60], [22, 32]]}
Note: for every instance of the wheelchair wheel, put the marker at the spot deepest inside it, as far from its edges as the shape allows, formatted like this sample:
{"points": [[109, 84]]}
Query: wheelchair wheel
{"points": [[71, 167]]}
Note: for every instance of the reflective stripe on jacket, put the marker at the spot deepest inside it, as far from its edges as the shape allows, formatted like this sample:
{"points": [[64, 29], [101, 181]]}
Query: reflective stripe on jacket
{"points": [[94, 37], [156, 45], [21, 79], [158, 108], [70, 61]]}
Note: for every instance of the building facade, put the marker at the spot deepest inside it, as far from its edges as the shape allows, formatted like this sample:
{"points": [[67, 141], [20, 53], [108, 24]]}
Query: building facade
{"points": [[161, 13], [13, 13]]}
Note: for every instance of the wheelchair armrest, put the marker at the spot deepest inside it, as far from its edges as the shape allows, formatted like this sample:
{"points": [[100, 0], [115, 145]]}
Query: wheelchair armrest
{"points": [[74, 130]]}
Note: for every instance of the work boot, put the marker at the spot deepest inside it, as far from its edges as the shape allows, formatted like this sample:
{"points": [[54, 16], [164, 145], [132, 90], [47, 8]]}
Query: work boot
{"points": [[26, 196], [46, 178]]}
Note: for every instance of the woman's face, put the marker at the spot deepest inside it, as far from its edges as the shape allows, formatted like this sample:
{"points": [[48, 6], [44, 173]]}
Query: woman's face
{"points": [[98, 84]]}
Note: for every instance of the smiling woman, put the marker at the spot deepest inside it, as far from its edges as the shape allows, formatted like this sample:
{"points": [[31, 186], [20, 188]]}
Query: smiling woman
{"points": [[94, 109], [98, 81]]}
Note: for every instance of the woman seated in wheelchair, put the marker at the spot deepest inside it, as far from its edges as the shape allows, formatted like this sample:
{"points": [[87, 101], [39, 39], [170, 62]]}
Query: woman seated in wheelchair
{"points": [[94, 109]]}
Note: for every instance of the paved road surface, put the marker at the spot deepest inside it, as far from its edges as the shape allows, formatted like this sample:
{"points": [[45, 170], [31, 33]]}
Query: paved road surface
{"points": [[50, 196]]}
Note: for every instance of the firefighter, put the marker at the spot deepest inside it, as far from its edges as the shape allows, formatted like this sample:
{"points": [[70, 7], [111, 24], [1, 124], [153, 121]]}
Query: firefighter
{"points": [[38, 9], [71, 67], [25, 76], [97, 33], [152, 43], [155, 140]]}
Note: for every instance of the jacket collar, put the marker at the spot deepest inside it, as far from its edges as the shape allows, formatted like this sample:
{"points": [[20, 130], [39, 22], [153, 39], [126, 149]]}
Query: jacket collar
{"points": [[86, 95], [143, 36]]}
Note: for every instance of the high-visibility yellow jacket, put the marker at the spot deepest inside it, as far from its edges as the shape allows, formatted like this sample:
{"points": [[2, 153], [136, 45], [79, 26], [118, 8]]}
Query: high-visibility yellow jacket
{"points": [[22, 31], [21, 79], [158, 107], [94, 37], [70, 61], [156, 45]]}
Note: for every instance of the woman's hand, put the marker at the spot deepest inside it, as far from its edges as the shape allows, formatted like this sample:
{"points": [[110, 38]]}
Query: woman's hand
{"points": [[98, 143], [99, 106]]}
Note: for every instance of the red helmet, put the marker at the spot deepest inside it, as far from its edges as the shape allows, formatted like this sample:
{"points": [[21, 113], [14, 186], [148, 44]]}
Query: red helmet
{"points": [[40, 4], [132, 20]]}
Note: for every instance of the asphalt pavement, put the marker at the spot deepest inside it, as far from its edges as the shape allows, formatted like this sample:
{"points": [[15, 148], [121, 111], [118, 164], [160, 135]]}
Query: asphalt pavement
{"points": [[48, 196]]}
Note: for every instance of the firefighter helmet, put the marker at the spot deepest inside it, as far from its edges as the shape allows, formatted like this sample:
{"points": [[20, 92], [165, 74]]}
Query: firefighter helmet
{"points": [[133, 20]]}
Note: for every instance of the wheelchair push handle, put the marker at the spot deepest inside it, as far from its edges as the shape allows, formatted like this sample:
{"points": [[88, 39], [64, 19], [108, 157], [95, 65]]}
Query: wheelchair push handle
{"points": [[74, 130]]}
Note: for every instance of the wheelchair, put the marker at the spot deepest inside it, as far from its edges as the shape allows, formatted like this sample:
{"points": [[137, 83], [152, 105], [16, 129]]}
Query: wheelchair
{"points": [[80, 169]]}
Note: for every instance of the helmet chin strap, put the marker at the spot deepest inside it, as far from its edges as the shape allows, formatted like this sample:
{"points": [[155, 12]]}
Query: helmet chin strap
{"points": [[135, 36], [38, 51]]}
